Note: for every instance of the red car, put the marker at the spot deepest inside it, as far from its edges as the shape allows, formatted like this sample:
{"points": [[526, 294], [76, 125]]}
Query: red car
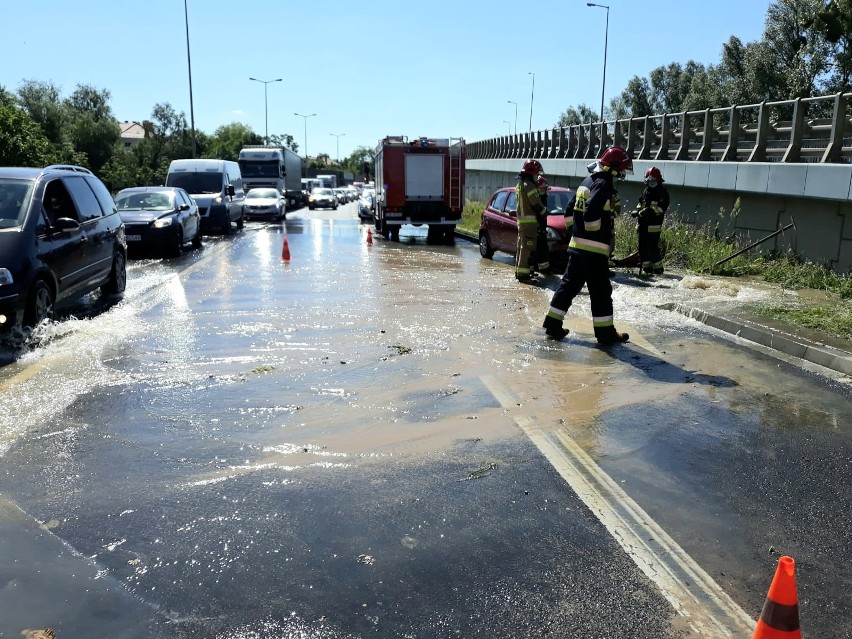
{"points": [[498, 226]]}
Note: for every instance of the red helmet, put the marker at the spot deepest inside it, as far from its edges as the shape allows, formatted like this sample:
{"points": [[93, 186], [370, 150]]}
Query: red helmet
{"points": [[653, 176], [542, 184], [617, 161], [533, 167]]}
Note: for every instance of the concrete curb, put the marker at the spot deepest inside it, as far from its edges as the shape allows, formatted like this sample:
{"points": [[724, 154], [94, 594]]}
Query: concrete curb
{"points": [[820, 354]]}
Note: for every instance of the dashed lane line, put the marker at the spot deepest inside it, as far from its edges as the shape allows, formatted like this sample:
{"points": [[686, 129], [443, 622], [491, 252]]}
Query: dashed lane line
{"points": [[692, 593]]}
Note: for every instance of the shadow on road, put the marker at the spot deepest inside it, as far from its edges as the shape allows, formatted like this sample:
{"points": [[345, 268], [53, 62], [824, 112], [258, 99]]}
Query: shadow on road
{"points": [[662, 371]]}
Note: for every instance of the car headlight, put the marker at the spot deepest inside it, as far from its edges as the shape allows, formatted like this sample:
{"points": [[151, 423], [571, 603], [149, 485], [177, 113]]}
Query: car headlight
{"points": [[163, 222], [217, 199], [6, 277]]}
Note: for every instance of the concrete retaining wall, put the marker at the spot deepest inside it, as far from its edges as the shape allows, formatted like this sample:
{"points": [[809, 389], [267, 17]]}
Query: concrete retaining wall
{"points": [[751, 200]]}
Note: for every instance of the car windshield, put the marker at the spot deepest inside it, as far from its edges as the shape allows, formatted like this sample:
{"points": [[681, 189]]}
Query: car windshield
{"points": [[255, 168], [322, 192], [14, 201], [558, 202], [256, 194], [196, 183], [144, 200]]}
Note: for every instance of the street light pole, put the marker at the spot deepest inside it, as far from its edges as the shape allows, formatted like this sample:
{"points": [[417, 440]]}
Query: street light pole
{"points": [[510, 126], [338, 136], [606, 38], [516, 115], [306, 131], [532, 96], [266, 105], [189, 68]]}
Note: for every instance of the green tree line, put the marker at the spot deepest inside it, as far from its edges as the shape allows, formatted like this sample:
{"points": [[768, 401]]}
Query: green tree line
{"points": [[40, 126], [805, 51]]}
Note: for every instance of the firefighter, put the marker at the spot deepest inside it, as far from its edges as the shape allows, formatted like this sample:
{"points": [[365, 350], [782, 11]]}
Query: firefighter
{"points": [[542, 250], [589, 250], [529, 208], [650, 211]]}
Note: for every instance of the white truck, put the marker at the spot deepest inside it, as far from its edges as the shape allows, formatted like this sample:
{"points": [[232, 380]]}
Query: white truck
{"points": [[273, 167]]}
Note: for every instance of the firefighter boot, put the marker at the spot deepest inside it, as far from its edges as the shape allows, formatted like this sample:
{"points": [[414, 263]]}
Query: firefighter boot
{"points": [[554, 329], [608, 335]]}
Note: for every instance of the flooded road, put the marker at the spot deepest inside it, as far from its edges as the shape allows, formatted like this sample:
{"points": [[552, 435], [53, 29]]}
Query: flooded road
{"points": [[376, 439]]}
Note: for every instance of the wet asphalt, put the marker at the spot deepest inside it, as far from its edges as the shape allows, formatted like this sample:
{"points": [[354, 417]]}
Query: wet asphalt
{"points": [[247, 446]]}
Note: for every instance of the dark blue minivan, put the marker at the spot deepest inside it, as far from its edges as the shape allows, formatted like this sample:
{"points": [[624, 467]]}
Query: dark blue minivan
{"points": [[60, 238]]}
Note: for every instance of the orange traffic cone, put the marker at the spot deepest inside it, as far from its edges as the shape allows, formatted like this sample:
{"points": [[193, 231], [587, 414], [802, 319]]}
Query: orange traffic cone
{"points": [[779, 618], [285, 250], [369, 236]]}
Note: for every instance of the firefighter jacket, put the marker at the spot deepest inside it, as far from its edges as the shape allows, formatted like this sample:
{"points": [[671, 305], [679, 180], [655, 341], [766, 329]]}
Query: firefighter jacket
{"points": [[594, 203], [529, 199], [652, 206]]}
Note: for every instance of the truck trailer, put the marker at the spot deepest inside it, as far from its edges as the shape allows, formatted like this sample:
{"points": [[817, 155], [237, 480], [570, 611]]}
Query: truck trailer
{"points": [[273, 167], [419, 182]]}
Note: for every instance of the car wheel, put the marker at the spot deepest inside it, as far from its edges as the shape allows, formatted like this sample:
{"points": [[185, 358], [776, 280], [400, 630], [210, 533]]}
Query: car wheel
{"points": [[177, 247], [196, 241], [39, 304], [310, 207], [334, 208], [227, 227], [485, 249], [241, 222], [117, 281]]}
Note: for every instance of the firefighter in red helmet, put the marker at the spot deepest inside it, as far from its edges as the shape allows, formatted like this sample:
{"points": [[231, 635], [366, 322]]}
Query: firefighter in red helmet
{"points": [[650, 211], [529, 208], [588, 253]]}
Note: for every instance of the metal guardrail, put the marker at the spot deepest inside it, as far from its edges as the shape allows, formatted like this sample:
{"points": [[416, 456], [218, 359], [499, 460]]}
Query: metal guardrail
{"points": [[817, 130]]}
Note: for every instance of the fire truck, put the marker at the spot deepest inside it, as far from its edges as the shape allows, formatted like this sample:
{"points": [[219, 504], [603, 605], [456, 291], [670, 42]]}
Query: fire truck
{"points": [[420, 181]]}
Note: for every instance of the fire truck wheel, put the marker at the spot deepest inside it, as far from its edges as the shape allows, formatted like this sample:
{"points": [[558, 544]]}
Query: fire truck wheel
{"points": [[393, 233]]}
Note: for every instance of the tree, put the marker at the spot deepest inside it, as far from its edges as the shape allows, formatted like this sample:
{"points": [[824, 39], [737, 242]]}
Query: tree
{"points": [[41, 101], [797, 53], [636, 98], [286, 140], [92, 128], [834, 22], [577, 115], [22, 142], [228, 139]]}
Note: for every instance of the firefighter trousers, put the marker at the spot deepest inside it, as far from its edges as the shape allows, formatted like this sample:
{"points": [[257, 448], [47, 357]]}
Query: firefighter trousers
{"points": [[592, 270], [527, 234], [541, 256], [649, 248]]}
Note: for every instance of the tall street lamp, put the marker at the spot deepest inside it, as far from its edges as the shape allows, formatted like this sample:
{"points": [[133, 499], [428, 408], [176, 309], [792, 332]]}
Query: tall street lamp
{"points": [[266, 105], [189, 68], [338, 136], [306, 131], [510, 126], [532, 96], [606, 37], [516, 115]]}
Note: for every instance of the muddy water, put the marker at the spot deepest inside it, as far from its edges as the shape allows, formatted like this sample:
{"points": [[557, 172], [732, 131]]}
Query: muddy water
{"points": [[244, 435]]}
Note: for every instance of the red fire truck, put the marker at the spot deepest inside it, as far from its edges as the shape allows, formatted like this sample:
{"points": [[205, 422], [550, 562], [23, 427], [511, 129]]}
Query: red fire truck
{"points": [[419, 182]]}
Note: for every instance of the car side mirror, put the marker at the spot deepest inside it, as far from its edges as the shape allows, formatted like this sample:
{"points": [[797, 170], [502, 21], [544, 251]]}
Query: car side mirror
{"points": [[230, 190], [66, 224], [184, 207]]}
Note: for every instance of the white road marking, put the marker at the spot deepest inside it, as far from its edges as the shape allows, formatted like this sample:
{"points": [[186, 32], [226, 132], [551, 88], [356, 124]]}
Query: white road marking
{"points": [[692, 593]]}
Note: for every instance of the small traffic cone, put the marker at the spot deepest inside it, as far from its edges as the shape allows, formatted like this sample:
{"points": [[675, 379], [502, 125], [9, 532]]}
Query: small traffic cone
{"points": [[285, 250], [779, 618], [369, 236]]}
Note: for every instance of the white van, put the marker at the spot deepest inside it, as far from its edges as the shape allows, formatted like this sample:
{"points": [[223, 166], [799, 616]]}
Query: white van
{"points": [[217, 187]]}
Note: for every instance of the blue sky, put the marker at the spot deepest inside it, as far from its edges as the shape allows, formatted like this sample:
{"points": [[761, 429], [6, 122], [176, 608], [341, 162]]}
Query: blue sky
{"points": [[440, 68]]}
